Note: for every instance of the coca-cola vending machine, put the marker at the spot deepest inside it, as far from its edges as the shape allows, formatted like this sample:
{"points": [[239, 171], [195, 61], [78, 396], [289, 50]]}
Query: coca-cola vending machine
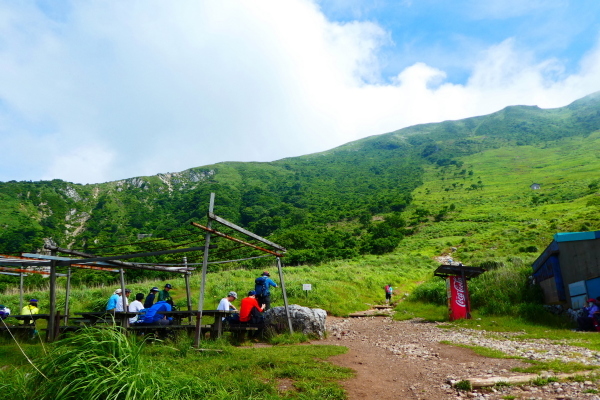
{"points": [[459, 305]]}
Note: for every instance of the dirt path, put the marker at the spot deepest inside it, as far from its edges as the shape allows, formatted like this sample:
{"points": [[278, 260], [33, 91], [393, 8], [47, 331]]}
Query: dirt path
{"points": [[405, 360]]}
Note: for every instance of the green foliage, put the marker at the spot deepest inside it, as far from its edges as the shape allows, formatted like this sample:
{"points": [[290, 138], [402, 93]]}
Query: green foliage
{"points": [[105, 364], [464, 385]]}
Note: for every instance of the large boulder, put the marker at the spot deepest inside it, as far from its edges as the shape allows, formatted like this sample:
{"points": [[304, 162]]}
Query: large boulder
{"points": [[310, 321]]}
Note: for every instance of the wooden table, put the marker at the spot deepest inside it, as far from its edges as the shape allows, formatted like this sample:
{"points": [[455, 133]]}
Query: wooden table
{"points": [[119, 317], [217, 327], [29, 322]]}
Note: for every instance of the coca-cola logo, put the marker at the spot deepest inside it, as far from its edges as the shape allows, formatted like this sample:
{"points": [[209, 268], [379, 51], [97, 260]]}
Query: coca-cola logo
{"points": [[460, 299]]}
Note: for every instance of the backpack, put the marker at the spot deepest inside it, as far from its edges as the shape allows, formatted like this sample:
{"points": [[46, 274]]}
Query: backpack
{"points": [[388, 289], [261, 288]]}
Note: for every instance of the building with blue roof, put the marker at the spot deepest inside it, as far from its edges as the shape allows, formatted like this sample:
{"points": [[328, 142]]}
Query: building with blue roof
{"points": [[568, 270]]}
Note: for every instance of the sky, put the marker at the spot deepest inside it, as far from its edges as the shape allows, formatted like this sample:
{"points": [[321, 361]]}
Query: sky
{"points": [[97, 91]]}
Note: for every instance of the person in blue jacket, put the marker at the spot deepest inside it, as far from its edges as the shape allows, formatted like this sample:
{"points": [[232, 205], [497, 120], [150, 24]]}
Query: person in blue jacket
{"points": [[112, 301], [262, 285], [152, 316]]}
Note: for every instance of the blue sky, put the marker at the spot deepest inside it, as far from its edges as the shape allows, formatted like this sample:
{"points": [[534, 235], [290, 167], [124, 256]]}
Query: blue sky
{"points": [[106, 90]]}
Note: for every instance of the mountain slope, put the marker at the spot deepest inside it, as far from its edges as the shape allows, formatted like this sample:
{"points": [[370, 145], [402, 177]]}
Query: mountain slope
{"points": [[457, 183]]}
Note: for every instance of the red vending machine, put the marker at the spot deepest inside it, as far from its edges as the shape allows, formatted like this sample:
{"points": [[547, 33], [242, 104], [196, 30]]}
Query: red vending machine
{"points": [[456, 276]]}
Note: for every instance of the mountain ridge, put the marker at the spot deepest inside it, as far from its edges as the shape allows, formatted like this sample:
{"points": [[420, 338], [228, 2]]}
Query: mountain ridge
{"points": [[363, 197]]}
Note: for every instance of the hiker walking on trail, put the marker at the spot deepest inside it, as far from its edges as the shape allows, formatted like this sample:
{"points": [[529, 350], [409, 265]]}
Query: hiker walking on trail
{"points": [[389, 290], [263, 294]]}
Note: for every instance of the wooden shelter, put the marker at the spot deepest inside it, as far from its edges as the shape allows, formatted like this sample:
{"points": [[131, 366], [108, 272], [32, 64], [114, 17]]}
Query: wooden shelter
{"points": [[568, 270], [90, 261]]}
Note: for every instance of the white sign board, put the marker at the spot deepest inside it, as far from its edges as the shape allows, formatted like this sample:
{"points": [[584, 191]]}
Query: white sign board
{"points": [[306, 286]]}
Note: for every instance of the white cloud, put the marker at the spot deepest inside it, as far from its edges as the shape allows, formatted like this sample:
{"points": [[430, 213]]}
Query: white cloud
{"points": [[114, 90]]}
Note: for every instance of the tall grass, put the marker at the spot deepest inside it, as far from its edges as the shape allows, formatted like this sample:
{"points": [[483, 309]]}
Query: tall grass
{"points": [[96, 364]]}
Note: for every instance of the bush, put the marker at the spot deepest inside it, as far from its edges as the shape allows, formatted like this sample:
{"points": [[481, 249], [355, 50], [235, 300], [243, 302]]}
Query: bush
{"points": [[433, 291]]}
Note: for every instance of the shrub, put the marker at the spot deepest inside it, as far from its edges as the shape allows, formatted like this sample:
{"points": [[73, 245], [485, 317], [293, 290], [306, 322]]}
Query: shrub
{"points": [[433, 291]]}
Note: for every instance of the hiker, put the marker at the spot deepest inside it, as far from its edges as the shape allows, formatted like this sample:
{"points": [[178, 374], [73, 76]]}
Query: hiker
{"points": [[225, 305], [136, 306], [586, 321], [30, 309], [119, 306], [250, 311], [389, 290], [113, 299], [152, 316], [164, 294], [262, 284], [4, 311], [150, 298]]}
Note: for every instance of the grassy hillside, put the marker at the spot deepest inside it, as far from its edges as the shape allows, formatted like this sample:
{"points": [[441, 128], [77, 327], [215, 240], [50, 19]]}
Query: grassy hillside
{"points": [[486, 208], [422, 190]]}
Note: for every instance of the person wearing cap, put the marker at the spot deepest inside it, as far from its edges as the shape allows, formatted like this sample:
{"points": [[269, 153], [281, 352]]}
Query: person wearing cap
{"points": [[136, 306], [30, 309], [586, 321], [262, 285], [113, 300], [225, 305], [164, 294], [150, 298], [119, 306], [250, 311]]}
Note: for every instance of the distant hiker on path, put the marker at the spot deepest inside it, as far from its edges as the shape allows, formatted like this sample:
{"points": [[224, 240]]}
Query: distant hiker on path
{"points": [[263, 294], [389, 290]]}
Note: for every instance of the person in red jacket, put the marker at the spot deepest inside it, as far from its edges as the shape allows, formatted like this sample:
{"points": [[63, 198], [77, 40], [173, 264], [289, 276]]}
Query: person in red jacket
{"points": [[250, 311]]}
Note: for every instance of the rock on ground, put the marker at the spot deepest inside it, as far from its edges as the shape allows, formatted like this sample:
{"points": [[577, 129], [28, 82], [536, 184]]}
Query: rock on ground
{"points": [[310, 321]]}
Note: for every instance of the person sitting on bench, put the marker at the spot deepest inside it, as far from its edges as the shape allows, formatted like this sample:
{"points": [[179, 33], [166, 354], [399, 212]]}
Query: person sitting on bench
{"points": [[225, 305], [152, 316], [250, 311]]}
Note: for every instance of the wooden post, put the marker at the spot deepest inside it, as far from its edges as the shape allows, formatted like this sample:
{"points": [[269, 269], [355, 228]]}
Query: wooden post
{"points": [[52, 305], [21, 293], [67, 294], [188, 290], [211, 207], [285, 300], [123, 298]]}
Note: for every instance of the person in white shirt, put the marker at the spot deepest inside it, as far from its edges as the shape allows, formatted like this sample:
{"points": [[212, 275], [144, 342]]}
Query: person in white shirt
{"points": [[119, 306], [136, 306], [225, 303]]}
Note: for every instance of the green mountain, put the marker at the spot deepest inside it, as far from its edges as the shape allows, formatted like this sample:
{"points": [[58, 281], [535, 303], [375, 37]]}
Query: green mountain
{"points": [[457, 186]]}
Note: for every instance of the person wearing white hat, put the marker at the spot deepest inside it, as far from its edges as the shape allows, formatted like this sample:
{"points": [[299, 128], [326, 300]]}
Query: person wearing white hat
{"points": [[113, 300], [119, 306]]}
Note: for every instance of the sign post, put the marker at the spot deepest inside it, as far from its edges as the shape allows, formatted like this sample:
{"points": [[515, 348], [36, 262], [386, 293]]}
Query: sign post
{"points": [[306, 287]]}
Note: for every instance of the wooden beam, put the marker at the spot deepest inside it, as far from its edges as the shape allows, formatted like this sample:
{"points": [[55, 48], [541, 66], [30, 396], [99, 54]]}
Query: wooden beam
{"points": [[236, 240], [245, 232], [115, 259]]}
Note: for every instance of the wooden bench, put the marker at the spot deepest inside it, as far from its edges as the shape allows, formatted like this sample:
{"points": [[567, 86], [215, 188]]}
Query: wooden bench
{"points": [[240, 329]]}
